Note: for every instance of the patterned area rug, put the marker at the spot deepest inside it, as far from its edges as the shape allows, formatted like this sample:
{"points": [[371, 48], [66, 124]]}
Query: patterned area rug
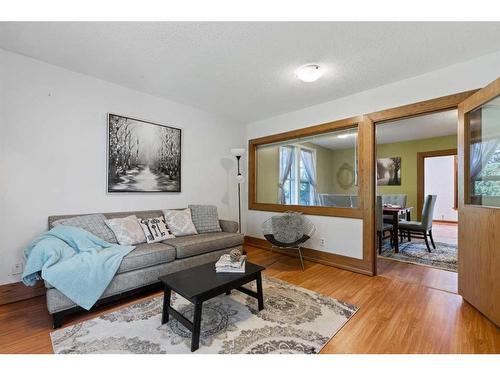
{"points": [[443, 257], [294, 320]]}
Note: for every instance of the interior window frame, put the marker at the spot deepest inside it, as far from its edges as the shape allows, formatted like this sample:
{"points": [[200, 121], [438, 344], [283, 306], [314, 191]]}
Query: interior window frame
{"points": [[364, 127]]}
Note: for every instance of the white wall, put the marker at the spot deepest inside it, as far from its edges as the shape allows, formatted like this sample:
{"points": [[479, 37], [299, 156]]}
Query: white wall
{"points": [[456, 78], [440, 180], [53, 151]]}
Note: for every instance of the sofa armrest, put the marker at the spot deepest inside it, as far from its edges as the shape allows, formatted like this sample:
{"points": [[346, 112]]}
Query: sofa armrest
{"points": [[228, 226]]}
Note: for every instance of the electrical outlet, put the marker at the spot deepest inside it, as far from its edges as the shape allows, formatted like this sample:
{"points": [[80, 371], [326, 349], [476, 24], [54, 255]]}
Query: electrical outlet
{"points": [[17, 269], [322, 242]]}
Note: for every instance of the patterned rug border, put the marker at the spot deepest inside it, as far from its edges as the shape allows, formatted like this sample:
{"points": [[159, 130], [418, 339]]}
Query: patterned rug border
{"points": [[415, 263], [340, 328], [160, 295], [441, 265]]}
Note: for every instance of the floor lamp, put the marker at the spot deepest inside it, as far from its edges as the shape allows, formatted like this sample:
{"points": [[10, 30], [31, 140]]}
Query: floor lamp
{"points": [[238, 153]]}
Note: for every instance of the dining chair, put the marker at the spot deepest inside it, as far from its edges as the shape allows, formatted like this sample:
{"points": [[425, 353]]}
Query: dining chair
{"points": [[381, 226], [421, 229], [393, 199]]}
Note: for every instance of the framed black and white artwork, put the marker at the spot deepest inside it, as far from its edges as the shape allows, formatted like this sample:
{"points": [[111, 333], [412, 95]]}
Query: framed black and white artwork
{"points": [[389, 171], [142, 156]]}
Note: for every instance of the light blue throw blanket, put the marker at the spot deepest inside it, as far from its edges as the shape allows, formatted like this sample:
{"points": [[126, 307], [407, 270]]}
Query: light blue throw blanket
{"points": [[75, 262]]}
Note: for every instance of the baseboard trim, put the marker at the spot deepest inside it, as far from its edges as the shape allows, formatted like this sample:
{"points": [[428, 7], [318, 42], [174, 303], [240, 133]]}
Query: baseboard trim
{"points": [[445, 221], [15, 292], [334, 260]]}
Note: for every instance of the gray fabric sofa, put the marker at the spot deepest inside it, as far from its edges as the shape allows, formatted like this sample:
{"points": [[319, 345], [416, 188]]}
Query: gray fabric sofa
{"points": [[141, 268]]}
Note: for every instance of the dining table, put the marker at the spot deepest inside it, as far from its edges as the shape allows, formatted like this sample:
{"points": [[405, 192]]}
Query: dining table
{"points": [[396, 212]]}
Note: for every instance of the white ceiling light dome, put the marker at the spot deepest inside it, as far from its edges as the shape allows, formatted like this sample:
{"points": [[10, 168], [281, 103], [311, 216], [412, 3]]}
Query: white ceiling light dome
{"points": [[309, 72]]}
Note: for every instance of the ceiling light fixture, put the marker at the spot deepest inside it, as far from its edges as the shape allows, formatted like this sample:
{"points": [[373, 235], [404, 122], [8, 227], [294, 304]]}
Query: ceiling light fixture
{"points": [[309, 73]]}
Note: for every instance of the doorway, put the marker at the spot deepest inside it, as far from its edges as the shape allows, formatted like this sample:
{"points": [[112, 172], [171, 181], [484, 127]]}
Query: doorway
{"points": [[479, 216], [438, 175], [416, 188]]}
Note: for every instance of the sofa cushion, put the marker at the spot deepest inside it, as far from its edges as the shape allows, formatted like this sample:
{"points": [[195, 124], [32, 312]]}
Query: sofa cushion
{"points": [[143, 256], [147, 255], [93, 223], [203, 243]]}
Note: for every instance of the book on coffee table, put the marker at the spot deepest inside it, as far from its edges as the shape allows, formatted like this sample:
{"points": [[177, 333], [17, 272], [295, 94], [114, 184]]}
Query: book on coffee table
{"points": [[224, 264]]}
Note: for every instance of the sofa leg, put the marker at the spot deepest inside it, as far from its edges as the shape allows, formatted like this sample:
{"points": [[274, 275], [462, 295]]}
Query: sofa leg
{"points": [[57, 320]]}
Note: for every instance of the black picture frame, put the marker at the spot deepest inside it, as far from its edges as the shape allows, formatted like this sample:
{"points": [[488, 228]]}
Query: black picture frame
{"points": [[389, 171], [138, 169]]}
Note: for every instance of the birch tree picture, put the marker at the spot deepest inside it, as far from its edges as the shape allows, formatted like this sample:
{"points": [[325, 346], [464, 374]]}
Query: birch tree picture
{"points": [[143, 156]]}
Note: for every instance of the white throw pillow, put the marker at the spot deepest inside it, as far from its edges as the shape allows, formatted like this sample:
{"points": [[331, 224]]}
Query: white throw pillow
{"points": [[127, 230], [155, 229], [179, 222]]}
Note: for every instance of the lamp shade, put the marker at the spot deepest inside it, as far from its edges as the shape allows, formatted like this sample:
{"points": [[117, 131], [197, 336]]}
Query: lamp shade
{"points": [[237, 151]]}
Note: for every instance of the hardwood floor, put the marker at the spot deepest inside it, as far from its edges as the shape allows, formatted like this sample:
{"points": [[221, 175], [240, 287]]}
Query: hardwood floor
{"points": [[445, 232], [401, 311]]}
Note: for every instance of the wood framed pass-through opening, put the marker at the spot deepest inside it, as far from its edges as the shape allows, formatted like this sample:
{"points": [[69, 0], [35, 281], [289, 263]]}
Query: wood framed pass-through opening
{"points": [[413, 110]]}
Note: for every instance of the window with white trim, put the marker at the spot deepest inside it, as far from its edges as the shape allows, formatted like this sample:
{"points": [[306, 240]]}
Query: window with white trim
{"points": [[298, 164]]}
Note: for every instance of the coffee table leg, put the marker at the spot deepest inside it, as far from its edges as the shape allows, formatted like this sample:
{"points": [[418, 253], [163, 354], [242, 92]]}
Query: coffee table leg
{"points": [[166, 303], [260, 294], [195, 338]]}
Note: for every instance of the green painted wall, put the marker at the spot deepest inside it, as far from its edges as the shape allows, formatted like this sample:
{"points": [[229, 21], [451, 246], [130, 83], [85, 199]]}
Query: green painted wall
{"points": [[408, 152], [267, 174], [338, 158]]}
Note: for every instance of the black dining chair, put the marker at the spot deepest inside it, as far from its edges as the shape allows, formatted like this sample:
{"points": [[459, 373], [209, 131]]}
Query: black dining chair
{"points": [[421, 229], [382, 227]]}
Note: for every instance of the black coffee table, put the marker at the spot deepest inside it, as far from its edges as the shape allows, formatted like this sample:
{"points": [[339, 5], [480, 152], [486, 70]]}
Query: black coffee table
{"points": [[201, 283]]}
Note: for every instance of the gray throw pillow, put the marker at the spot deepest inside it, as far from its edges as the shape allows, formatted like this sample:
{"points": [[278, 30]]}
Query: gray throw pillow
{"points": [[205, 218], [94, 224]]}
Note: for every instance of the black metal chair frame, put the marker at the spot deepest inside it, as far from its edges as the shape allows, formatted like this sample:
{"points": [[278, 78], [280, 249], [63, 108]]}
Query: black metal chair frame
{"points": [[283, 246]]}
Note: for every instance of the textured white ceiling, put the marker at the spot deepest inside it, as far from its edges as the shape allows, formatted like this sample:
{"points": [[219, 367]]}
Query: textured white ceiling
{"points": [[245, 71]]}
